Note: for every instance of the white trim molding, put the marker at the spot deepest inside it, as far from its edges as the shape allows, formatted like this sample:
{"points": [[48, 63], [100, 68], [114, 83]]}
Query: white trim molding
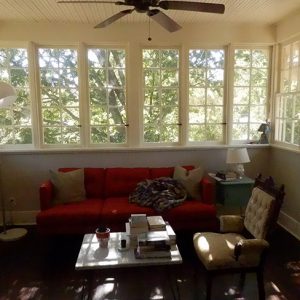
{"points": [[20, 217], [289, 224]]}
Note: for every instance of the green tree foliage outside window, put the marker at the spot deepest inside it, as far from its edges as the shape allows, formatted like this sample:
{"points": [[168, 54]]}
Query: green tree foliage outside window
{"points": [[250, 92], [15, 121], [206, 95], [288, 100], [161, 95], [107, 96], [59, 96]]}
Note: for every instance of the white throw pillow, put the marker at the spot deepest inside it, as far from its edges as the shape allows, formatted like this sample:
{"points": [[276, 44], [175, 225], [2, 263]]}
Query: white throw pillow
{"points": [[68, 186], [189, 179]]}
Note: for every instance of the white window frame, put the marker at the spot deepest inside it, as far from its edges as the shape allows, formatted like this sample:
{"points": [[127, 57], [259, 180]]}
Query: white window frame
{"points": [[225, 89], [126, 125], [26, 46], [179, 87], [287, 95], [230, 71]]}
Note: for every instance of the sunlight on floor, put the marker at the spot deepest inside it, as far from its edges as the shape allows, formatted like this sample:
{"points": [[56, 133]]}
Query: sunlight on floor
{"points": [[233, 291], [276, 293], [27, 293], [104, 289], [156, 294]]}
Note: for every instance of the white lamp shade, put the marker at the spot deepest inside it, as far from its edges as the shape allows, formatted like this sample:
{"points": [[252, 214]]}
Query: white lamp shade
{"points": [[8, 94], [237, 156]]}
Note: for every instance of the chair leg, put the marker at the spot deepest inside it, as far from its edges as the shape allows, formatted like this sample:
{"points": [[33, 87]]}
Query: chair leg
{"points": [[260, 283], [208, 286], [242, 280]]}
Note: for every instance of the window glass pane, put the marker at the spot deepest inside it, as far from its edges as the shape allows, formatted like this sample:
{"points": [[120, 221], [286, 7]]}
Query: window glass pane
{"points": [[206, 95], [59, 95], [161, 95], [16, 120], [107, 82], [287, 105], [250, 90]]}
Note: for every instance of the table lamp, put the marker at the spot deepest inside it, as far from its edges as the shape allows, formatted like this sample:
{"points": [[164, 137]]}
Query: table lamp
{"points": [[237, 157], [7, 97]]}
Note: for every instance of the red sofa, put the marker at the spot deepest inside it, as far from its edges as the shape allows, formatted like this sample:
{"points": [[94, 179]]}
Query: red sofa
{"points": [[107, 203]]}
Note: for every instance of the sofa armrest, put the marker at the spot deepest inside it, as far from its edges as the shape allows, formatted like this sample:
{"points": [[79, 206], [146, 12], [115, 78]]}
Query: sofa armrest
{"points": [[46, 195], [207, 190], [231, 223]]}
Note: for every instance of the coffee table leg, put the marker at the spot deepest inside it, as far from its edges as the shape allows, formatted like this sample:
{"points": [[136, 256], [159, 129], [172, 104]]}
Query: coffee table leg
{"points": [[173, 282], [87, 285]]}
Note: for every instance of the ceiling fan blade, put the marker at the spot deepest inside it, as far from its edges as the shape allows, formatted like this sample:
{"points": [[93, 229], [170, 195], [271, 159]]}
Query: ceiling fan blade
{"points": [[163, 20], [193, 6], [91, 1], [114, 18]]}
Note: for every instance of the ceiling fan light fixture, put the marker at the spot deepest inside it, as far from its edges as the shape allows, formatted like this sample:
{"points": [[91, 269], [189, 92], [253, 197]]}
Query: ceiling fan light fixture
{"points": [[144, 6]]}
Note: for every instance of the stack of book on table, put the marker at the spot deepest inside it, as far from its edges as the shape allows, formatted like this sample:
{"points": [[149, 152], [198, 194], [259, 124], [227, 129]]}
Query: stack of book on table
{"points": [[153, 244], [137, 224], [156, 223]]}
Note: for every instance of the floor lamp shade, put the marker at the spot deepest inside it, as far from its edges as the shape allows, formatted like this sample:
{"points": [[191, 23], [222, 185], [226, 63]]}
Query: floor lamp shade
{"points": [[238, 157], [8, 96]]}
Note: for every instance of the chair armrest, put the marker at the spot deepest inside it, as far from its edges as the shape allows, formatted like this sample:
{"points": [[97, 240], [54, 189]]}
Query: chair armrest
{"points": [[46, 194], [231, 223], [207, 190], [250, 252]]}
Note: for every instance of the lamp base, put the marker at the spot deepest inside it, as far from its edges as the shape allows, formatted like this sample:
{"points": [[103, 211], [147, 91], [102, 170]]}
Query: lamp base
{"points": [[12, 234], [240, 171]]}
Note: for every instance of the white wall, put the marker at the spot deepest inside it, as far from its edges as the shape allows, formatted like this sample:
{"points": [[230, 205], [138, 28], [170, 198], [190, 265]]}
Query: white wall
{"points": [[212, 33], [288, 28], [285, 167], [285, 164]]}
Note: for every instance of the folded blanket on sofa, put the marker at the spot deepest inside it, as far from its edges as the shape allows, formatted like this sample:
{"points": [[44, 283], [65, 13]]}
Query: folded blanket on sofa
{"points": [[161, 193]]}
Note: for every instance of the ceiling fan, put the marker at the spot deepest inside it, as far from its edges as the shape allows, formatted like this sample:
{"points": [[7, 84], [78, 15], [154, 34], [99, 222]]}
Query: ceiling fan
{"points": [[145, 6]]}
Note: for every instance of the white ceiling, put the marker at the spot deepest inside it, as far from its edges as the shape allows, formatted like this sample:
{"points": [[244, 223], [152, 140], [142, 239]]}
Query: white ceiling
{"points": [[236, 11]]}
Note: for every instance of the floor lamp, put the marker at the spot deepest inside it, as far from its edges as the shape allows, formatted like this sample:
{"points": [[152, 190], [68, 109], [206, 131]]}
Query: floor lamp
{"points": [[7, 97]]}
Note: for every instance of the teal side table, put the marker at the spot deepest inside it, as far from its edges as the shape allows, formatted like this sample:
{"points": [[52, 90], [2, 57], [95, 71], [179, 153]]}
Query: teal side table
{"points": [[233, 195]]}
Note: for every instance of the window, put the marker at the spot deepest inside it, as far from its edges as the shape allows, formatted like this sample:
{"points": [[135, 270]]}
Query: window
{"points": [[206, 95], [250, 93], [287, 116], [15, 121], [59, 96], [107, 96], [161, 95]]}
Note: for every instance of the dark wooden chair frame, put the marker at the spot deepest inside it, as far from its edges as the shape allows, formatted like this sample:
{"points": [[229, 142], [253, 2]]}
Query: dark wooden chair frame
{"points": [[278, 193]]}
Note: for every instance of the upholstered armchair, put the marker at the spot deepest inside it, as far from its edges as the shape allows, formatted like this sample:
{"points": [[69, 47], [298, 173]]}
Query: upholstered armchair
{"points": [[241, 245]]}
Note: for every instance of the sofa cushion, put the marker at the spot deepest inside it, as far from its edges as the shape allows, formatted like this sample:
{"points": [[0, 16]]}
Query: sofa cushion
{"points": [[191, 211], [68, 186], [123, 181], [72, 215], [117, 210], [93, 181]]}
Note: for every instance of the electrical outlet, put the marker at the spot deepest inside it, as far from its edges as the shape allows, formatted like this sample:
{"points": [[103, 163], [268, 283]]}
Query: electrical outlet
{"points": [[12, 201]]}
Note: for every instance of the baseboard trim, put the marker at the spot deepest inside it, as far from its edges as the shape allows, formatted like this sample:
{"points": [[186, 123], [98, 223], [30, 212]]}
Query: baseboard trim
{"points": [[289, 224], [20, 217]]}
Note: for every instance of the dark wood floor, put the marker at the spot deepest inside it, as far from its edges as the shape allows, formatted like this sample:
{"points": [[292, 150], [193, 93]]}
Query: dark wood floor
{"points": [[38, 268]]}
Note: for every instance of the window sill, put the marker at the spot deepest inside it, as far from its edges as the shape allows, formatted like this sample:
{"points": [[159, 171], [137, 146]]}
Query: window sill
{"points": [[130, 149]]}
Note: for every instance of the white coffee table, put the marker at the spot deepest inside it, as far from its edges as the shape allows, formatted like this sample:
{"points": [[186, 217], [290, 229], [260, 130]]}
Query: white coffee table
{"points": [[92, 256]]}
